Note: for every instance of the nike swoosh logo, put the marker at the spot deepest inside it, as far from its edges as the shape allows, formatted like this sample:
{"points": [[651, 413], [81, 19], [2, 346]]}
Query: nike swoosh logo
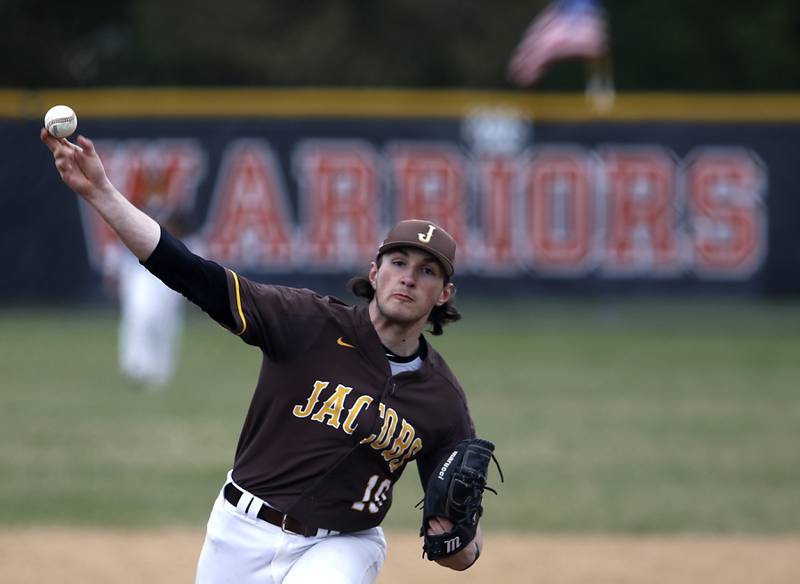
{"points": [[341, 342]]}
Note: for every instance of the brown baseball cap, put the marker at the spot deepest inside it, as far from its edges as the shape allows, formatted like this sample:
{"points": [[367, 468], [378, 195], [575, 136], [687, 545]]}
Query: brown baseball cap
{"points": [[426, 236]]}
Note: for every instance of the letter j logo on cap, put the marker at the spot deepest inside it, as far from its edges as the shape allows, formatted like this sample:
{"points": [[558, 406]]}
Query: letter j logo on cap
{"points": [[426, 237]]}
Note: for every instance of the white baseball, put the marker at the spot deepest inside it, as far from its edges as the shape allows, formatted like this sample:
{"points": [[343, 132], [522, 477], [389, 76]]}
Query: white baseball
{"points": [[60, 121]]}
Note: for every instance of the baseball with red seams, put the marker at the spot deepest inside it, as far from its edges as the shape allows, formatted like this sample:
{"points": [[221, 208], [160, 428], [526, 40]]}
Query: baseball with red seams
{"points": [[60, 121]]}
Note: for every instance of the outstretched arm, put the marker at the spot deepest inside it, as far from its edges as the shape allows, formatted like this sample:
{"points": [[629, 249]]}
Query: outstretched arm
{"points": [[82, 171], [201, 281]]}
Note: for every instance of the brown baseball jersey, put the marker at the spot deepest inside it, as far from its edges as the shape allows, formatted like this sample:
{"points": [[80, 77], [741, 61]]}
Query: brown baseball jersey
{"points": [[329, 429]]}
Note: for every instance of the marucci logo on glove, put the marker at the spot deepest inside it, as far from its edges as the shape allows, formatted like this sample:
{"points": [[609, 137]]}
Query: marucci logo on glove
{"points": [[452, 545], [449, 461]]}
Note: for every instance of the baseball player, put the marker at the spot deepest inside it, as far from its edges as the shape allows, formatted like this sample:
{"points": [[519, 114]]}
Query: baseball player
{"points": [[346, 397], [151, 321], [151, 314]]}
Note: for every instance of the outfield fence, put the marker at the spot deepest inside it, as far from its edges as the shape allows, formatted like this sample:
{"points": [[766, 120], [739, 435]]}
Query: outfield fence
{"points": [[661, 193]]}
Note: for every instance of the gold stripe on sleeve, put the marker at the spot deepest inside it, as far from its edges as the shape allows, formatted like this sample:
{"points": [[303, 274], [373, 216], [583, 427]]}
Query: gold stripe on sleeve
{"points": [[239, 304]]}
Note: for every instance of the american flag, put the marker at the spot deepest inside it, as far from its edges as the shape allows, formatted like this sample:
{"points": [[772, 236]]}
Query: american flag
{"points": [[565, 29]]}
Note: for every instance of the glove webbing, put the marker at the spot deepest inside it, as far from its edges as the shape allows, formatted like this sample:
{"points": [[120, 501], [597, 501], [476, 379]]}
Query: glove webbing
{"points": [[484, 487]]}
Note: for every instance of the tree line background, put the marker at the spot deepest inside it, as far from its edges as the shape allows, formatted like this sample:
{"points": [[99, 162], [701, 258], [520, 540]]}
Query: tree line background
{"points": [[683, 45]]}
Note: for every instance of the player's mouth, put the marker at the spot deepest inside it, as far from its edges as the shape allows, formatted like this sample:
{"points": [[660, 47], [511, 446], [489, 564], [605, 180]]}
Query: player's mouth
{"points": [[403, 297]]}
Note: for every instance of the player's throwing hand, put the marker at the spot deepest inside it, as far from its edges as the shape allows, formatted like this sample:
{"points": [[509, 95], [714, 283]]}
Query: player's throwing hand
{"points": [[78, 164]]}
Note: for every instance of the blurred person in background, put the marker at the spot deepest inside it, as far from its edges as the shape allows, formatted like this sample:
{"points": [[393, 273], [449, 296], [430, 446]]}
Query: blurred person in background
{"points": [[151, 314]]}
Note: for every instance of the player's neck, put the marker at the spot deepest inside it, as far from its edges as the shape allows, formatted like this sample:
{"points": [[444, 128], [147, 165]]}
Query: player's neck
{"points": [[399, 337]]}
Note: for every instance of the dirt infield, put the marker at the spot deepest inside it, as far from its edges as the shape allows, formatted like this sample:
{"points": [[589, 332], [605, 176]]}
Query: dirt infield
{"points": [[29, 556]]}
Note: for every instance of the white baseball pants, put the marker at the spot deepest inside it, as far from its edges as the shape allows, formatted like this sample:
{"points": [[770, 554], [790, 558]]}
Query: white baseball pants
{"points": [[241, 549]]}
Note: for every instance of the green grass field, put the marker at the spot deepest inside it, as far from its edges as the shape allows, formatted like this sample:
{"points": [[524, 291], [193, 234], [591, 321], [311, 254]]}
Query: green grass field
{"points": [[637, 416]]}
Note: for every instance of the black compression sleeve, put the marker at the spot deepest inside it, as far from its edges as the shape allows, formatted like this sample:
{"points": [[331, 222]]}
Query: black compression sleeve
{"points": [[202, 281]]}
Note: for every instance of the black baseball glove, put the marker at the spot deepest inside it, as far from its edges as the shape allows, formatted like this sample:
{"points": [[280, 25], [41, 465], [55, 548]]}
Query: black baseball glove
{"points": [[454, 491]]}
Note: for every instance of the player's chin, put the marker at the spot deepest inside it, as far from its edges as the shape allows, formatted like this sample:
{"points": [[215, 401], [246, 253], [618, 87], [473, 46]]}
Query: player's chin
{"points": [[404, 312]]}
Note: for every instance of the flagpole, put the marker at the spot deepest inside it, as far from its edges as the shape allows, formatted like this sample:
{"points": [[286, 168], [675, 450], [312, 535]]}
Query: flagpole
{"points": [[600, 90]]}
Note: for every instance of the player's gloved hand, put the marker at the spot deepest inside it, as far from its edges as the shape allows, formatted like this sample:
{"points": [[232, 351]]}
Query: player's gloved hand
{"points": [[455, 491]]}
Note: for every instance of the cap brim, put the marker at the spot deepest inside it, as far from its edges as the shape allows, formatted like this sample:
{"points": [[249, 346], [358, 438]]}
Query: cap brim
{"points": [[446, 264]]}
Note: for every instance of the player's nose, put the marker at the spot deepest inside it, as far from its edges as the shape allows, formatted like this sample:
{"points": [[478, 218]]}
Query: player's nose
{"points": [[408, 278]]}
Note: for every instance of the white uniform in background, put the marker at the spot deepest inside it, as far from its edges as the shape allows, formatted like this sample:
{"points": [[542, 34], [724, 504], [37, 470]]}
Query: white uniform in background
{"points": [[150, 327]]}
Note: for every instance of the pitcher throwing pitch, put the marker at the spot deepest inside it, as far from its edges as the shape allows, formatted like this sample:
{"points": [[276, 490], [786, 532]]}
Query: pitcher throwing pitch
{"points": [[346, 397]]}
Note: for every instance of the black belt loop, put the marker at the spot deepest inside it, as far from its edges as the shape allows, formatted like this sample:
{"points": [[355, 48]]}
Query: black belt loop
{"points": [[288, 524]]}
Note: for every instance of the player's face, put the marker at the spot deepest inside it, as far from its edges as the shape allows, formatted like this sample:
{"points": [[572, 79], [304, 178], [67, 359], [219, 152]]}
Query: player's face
{"points": [[408, 284]]}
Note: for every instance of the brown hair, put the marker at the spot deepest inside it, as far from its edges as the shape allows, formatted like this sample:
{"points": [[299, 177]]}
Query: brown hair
{"points": [[439, 317]]}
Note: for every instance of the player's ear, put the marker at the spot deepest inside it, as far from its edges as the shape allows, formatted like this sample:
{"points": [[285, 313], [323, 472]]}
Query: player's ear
{"points": [[373, 275], [447, 294]]}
